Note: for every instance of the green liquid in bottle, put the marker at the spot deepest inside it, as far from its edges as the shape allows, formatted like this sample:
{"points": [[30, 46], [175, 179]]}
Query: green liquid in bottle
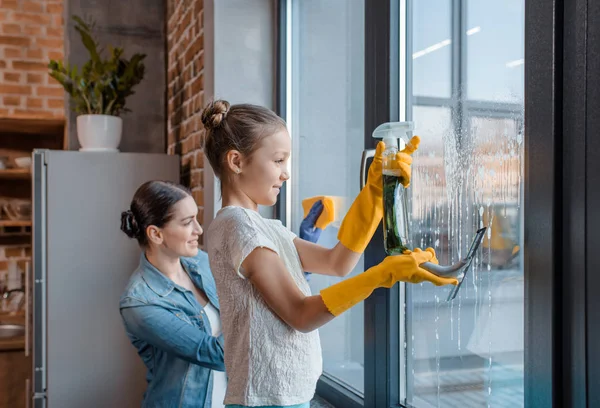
{"points": [[394, 216]]}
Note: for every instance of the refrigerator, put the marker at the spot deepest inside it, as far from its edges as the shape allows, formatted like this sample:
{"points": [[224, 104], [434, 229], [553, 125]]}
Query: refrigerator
{"points": [[82, 261]]}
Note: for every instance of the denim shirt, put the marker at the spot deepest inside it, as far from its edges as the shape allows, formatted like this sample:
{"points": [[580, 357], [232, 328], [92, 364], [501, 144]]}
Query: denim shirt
{"points": [[172, 334]]}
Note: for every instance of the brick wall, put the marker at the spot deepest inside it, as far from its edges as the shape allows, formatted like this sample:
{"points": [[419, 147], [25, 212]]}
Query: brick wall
{"points": [[31, 33], [185, 81]]}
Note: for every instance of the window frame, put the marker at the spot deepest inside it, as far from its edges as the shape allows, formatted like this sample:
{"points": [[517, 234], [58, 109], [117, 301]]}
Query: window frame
{"points": [[558, 288]]}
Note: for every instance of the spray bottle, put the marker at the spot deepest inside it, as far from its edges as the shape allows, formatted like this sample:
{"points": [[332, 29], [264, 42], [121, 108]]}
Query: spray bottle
{"points": [[395, 210], [395, 207]]}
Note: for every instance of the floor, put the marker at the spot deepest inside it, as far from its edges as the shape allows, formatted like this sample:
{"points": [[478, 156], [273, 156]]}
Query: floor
{"points": [[318, 402]]}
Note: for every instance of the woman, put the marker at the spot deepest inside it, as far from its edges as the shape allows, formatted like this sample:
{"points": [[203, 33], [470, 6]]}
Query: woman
{"points": [[170, 307]]}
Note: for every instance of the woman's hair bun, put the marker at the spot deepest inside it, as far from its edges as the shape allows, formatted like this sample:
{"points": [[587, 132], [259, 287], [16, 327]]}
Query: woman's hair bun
{"points": [[129, 224]]}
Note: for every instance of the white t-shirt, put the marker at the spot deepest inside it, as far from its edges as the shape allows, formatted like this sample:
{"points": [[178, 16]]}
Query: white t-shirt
{"points": [[267, 361], [219, 377]]}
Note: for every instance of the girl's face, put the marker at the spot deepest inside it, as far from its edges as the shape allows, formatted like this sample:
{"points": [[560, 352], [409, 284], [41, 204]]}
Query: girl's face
{"points": [[262, 174], [179, 237]]}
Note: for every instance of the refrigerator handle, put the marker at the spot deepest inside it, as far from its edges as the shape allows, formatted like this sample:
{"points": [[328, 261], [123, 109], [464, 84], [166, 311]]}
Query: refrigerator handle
{"points": [[27, 300], [38, 281]]}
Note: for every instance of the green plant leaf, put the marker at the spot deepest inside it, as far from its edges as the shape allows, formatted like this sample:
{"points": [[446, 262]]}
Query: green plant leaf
{"points": [[102, 85]]}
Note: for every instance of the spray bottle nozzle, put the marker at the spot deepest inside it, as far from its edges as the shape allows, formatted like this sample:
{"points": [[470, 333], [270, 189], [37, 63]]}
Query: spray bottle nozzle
{"points": [[391, 132]]}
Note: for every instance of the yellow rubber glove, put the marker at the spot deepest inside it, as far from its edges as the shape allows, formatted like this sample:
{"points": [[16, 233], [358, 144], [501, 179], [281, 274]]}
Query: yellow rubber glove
{"points": [[366, 211], [402, 160], [342, 296]]}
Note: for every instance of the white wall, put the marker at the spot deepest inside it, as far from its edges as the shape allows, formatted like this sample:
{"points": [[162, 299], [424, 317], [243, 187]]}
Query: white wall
{"points": [[240, 66]]}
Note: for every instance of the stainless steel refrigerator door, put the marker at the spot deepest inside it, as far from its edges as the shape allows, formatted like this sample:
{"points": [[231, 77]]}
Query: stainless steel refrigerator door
{"points": [[38, 283], [90, 361]]}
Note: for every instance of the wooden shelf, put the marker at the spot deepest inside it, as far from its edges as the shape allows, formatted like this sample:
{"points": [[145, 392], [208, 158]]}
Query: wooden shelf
{"points": [[22, 240], [15, 174], [32, 125], [10, 223], [25, 133]]}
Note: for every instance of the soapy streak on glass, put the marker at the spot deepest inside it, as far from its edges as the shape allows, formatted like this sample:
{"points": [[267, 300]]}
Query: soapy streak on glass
{"points": [[470, 349]]}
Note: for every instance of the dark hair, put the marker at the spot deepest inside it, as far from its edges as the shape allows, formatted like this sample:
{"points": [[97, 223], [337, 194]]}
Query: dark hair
{"points": [[235, 127], [152, 204]]}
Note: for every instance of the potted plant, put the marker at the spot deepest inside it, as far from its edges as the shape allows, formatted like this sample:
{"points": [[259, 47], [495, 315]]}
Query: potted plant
{"points": [[98, 91]]}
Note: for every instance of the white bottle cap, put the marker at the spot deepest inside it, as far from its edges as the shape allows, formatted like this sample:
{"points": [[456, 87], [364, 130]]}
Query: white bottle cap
{"points": [[391, 132]]}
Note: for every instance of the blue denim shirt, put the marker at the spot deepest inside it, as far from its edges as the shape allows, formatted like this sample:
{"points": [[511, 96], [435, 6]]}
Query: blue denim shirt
{"points": [[172, 334]]}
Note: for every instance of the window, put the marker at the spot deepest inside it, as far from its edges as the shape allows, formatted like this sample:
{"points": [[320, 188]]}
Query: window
{"points": [[467, 104], [327, 129]]}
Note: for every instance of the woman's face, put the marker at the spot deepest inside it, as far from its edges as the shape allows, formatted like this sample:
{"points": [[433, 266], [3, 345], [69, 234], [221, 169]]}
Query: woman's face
{"points": [[180, 235]]}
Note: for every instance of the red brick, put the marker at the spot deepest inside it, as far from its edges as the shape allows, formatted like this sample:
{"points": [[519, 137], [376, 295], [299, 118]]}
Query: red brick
{"points": [[33, 7], [35, 103], [199, 62], [56, 91], [13, 53], [9, 4], [12, 77], [38, 113], [55, 103], [49, 42], [194, 49], [12, 100], [35, 78], [8, 28], [56, 55], [35, 53], [183, 25], [36, 19], [54, 32], [199, 160], [30, 66], [186, 160], [198, 85], [197, 179], [15, 89], [16, 41], [33, 30], [198, 197], [185, 146], [2, 64], [54, 8]]}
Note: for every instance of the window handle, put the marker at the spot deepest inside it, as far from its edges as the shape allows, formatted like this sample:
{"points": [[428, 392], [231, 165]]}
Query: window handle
{"points": [[366, 154]]}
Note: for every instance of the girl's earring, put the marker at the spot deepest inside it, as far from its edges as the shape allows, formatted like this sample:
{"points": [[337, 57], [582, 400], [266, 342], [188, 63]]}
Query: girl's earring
{"points": [[237, 171]]}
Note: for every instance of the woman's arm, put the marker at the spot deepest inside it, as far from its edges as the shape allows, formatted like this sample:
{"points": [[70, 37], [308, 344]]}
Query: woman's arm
{"points": [[336, 261], [160, 328]]}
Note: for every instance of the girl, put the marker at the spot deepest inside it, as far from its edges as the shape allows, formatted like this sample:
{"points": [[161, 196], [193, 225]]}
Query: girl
{"points": [[272, 348]]}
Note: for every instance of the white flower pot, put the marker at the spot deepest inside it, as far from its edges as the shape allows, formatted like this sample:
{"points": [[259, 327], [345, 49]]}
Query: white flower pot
{"points": [[99, 133]]}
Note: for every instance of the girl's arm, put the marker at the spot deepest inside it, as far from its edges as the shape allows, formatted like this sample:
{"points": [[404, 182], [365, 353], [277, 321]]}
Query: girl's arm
{"points": [[267, 272], [360, 222], [336, 261]]}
